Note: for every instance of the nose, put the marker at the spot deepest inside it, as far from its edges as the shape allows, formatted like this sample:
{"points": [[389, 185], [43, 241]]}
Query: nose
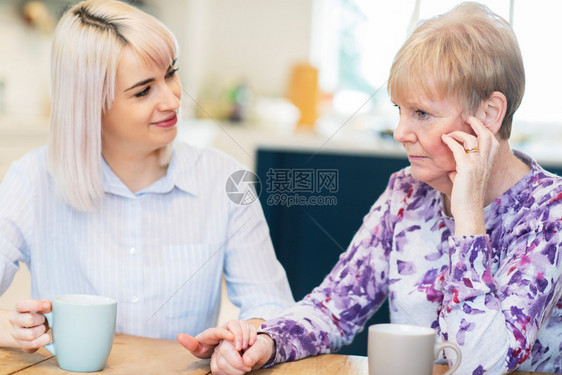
{"points": [[171, 96], [404, 132]]}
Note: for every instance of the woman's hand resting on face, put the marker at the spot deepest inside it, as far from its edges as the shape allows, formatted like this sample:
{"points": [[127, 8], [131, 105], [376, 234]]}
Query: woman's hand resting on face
{"points": [[29, 325], [474, 156]]}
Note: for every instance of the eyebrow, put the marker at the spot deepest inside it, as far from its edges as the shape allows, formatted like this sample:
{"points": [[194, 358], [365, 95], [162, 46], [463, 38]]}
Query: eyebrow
{"points": [[144, 82], [141, 83]]}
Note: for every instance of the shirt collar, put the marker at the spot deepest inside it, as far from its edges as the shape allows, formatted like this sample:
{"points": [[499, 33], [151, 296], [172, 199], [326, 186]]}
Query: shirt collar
{"points": [[181, 174]]}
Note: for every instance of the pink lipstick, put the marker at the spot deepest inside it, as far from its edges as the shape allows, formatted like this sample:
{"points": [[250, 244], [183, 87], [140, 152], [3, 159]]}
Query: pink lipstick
{"points": [[167, 123]]}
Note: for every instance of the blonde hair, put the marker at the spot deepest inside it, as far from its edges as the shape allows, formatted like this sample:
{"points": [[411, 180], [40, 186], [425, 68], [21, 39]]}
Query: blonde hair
{"points": [[88, 44], [467, 53]]}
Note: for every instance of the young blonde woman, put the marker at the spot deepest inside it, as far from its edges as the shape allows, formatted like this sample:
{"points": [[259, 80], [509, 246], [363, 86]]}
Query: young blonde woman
{"points": [[111, 206], [466, 240]]}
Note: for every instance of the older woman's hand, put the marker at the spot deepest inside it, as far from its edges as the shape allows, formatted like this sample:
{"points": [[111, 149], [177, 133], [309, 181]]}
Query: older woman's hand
{"points": [[226, 361], [29, 325], [244, 333], [474, 156]]}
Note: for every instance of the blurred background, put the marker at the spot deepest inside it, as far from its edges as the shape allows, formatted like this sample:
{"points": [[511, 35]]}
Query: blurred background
{"points": [[301, 76], [291, 65]]}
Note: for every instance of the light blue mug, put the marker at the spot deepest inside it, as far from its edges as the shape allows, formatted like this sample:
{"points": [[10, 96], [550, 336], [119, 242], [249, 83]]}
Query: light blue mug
{"points": [[82, 327]]}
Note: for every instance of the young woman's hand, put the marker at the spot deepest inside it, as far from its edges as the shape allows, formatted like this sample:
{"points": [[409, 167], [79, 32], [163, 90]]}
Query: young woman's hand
{"points": [[203, 345], [29, 325], [240, 333]]}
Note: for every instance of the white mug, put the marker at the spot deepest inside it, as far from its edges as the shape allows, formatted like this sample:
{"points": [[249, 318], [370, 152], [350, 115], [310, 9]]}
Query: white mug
{"points": [[401, 349]]}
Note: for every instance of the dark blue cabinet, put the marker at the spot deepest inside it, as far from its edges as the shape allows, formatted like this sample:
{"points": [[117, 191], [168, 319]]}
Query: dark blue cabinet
{"points": [[309, 236]]}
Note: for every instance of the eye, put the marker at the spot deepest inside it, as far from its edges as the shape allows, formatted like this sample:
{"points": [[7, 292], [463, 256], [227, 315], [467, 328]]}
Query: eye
{"points": [[144, 92], [397, 106], [171, 73], [422, 115]]}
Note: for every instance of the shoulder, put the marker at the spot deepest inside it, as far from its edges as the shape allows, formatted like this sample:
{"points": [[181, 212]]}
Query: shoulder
{"points": [[545, 198], [535, 200], [37, 156], [26, 177], [404, 196], [190, 156], [540, 187], [402, 184], [32, 165], [204, 169], [538, 179]]}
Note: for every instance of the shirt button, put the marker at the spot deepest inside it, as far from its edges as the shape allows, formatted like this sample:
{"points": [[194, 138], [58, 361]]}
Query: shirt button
{"points": [[134, 299], [132, 250]]}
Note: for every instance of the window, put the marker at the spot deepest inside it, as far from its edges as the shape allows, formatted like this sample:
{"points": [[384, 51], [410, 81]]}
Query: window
{"points": [[354, 42]]}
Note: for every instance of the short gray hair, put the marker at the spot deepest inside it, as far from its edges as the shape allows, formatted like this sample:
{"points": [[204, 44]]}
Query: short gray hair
{"points": [[468, 53]]}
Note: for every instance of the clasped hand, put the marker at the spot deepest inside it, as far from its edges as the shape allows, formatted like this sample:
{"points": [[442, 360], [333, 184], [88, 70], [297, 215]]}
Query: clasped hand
{"points": [[234, 348]]}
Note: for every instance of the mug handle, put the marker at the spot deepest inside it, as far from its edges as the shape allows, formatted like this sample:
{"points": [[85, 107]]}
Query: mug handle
{"points": [[455, 347], [50, 346]]}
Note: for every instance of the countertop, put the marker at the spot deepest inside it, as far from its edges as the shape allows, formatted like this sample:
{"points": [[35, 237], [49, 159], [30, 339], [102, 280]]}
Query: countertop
{"points": [[19, 135]]}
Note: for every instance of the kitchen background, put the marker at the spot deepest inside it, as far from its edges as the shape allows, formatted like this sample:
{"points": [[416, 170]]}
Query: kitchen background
{"points": [[245, 65]]}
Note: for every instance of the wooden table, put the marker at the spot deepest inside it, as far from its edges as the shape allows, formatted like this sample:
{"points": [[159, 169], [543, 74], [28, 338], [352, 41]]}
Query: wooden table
{"points": [[139, 355]]}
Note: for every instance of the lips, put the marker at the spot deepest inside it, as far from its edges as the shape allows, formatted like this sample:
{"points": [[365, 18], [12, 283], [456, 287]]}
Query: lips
{"points": [[415, 157], [168, 122]]}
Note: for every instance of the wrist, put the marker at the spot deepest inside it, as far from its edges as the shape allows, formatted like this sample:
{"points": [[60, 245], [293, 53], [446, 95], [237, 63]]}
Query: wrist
{"points": [[256, 322], [6, 339], [471, 253], [471, 224], [271, 345], [469, 230]]}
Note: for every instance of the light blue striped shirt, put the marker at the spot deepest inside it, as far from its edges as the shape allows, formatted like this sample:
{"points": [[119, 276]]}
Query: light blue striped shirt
{"points": [[159, 252]]}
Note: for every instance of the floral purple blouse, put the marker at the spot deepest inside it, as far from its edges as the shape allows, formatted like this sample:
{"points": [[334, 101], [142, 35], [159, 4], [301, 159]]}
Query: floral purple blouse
{"points": [[498, 296]]}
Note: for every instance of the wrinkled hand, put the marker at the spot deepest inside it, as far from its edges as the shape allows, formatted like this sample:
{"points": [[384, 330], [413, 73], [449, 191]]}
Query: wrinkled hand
{"points": [[29, 325], [470, 178], [239, 333], [227, 361], [244, 333]]}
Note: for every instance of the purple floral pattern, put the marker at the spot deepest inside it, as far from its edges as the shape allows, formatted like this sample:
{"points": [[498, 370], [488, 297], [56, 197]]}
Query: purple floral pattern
{"points": [[498, 296]]}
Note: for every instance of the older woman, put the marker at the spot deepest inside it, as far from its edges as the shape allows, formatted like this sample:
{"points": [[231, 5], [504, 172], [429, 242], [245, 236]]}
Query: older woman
{"points": [[110, 207], [465, 240]]}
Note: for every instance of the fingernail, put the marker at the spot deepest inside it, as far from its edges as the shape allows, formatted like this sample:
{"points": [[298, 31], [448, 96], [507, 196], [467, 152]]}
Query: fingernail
{"points": [[45, 305]]}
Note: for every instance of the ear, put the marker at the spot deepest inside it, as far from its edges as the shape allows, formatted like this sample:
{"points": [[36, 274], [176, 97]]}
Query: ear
{"points": [[492, 111]]}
